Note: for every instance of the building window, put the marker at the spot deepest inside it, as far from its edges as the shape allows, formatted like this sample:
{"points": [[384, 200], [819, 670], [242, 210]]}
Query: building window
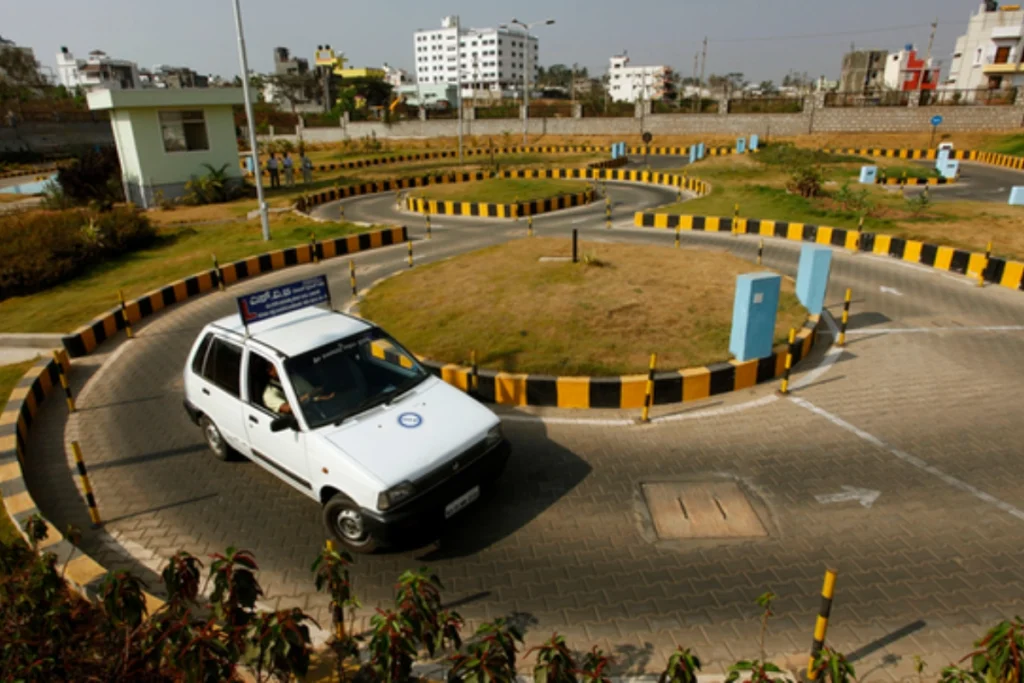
{"points": [[184, 131], [977, 56]]}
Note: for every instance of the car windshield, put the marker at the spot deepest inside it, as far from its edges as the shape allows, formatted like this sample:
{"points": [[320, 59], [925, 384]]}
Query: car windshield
{"points": [[346, 377]]}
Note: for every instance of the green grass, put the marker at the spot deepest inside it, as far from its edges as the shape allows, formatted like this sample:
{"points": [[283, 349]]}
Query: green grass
{"points": [[912, 171], [179, 252], [9, 376], [502, 190], [1010, 144]]}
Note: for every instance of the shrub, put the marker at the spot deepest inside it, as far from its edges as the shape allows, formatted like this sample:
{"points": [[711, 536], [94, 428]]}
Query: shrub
{"points": [[806, 180], [93, 178], [41, 249], [213, 188]]}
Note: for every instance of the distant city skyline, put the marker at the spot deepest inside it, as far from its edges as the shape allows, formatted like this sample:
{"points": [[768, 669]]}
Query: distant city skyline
{"points": [[763, 40]]}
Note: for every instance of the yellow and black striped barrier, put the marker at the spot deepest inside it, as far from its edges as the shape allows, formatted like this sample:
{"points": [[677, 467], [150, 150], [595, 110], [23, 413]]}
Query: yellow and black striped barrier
{"points": [[90, 499], [63, 379], [352, 276], [514, 210], [846, 317], [784, 388], [645, 416], [821, 623]]}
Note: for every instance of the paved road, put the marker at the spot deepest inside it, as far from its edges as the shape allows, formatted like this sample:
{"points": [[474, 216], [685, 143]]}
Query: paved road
{"points": [[978, 182], [923, 406]]}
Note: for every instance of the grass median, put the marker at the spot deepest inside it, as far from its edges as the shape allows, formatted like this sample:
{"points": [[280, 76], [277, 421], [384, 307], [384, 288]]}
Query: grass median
{"points": [[179, 251], [602, 316], [9, 377], [763, 191], [501, 190]]}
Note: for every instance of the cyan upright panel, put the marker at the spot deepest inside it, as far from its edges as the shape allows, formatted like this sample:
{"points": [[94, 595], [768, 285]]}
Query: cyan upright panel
{"points": [[700, 150], [1017, 196], [950, 168], [753, 315], [693, 153], [741, 145], [868, 175], [754, 142], [812, 277], [941, 157]]}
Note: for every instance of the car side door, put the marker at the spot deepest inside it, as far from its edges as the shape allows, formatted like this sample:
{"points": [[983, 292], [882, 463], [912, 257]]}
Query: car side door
{"points": [[218, 382], [282, 452]]}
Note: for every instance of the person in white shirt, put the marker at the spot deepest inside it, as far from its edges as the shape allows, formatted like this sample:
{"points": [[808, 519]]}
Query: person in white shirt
{"points": [[274, 397], [289, 170]]}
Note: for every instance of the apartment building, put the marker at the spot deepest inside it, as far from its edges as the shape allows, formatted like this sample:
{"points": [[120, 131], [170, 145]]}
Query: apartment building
{"points": [[98, 70], [632, 83], [907, 72], [990, 55]]}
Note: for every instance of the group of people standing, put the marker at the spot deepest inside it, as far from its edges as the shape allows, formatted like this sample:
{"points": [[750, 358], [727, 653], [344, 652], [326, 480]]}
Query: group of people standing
{"points": [[274, 168]]}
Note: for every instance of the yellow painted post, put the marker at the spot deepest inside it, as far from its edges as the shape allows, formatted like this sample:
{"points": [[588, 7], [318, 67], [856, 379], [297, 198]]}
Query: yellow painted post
{"points": [[398, 199], [649, 393], [220, 273], [474, 377], [821, 623], [515, 208], [760, 251], [124, 314], [428, 226], [529, 226], [678, 229], [64, 382], [314, 248], [784, 389], [410, 252], [352, 276], [90, 499], [341, 212], [735, 219], [846, 317]]}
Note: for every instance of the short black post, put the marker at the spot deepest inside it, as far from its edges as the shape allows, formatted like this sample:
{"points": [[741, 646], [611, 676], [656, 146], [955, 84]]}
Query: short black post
{"points": [[574, 238]]}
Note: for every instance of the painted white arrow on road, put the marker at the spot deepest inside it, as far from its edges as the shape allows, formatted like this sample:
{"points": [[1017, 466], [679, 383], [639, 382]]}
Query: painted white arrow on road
{"points": [[890, 290], [865, 497]]}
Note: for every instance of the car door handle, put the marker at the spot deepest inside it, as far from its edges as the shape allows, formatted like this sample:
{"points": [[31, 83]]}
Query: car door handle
{"points": [[253, 420], [206, 391]]}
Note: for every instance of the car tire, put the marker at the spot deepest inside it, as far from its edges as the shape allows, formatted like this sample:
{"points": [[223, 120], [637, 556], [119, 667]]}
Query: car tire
{"points": [[344, 522], [215, 440]]}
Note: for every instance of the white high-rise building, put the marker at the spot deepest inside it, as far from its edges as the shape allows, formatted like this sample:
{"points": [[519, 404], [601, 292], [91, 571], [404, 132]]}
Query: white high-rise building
{"points": [[632, 83], [98, 71], [989, 54], [493, 59]]}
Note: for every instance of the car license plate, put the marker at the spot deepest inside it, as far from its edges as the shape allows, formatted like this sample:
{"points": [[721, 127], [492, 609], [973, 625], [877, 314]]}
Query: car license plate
{"points": [[461, 502]]}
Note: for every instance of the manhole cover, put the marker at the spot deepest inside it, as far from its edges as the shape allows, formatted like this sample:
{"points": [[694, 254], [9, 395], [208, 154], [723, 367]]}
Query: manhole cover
{"points": [[701, 510]]}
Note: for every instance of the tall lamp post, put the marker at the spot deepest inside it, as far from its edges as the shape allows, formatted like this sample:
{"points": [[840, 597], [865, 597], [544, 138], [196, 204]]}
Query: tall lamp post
{"points": [[526, 66], [257, 174]]}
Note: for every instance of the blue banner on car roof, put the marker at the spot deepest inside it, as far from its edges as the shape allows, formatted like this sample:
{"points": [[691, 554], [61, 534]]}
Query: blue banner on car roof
{"points": [[277, 300]]}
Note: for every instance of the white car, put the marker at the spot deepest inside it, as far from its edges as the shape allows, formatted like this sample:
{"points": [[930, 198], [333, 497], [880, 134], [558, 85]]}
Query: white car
{"points": [[385, 447]]}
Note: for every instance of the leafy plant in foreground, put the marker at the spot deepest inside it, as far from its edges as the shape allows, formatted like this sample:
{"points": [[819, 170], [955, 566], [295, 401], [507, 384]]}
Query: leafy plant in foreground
{"points": [[491, 657], [555, 663], [832, 666], [330, 570], [682, 667]]}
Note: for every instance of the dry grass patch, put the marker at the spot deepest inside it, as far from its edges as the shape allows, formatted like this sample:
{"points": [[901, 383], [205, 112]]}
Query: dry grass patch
{"points": [[599, 318]]}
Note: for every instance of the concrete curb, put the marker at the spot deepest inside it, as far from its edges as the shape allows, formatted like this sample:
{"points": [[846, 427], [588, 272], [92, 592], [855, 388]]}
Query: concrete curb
{"points": [[18, 340], [531, 208]]}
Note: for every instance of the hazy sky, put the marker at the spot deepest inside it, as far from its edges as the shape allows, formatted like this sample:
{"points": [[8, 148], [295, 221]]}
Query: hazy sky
{"points": [[201, 34]]}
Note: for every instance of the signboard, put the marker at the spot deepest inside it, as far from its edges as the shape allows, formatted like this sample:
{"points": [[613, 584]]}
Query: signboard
{"points": [[277, 300], [936, 120]]}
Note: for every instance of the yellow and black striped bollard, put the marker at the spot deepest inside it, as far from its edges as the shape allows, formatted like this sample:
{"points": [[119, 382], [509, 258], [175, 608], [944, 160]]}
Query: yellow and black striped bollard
{"points": [[760, 251], [63, 379], [678, 230], [735, 220], [821, 623], [410, 252], [846, 317], [90, 499], [474, 374], [428, 226], [529, 226], [515, 208], [984, 265], [649, 392], [313, 251], [220, 273], [124, 314], [341, 212], [352, 277], [784, 389]]}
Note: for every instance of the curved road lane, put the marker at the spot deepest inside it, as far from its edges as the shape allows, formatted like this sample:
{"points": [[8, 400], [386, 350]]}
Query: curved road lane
{"points": [[922, 406]]}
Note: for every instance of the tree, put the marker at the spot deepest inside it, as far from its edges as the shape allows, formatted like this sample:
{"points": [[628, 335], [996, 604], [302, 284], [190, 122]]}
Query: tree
{"points": [[768, 88], [19, 74], [295, 88]]}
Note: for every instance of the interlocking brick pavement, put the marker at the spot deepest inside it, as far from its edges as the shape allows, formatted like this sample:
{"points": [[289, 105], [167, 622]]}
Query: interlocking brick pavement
{"points": [[563, 545]]}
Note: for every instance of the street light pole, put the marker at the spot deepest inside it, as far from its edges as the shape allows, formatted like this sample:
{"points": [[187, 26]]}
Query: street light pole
{"points": [[526, 67], [256, 172]]}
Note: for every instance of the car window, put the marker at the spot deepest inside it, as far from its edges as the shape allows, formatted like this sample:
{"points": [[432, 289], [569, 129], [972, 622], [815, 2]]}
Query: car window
{"points": [[261, 385], [224, 365], [200, 357]]}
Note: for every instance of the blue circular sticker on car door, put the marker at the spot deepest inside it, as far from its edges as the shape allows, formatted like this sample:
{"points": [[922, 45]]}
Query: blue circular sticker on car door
{"points": [[410, 420]]}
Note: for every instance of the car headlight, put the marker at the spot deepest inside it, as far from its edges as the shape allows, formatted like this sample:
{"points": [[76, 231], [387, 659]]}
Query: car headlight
{"points": [[395, 495], [494, 436]]}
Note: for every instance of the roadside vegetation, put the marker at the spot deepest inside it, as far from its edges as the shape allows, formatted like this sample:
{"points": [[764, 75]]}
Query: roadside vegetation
{"points": [[602, 316]]}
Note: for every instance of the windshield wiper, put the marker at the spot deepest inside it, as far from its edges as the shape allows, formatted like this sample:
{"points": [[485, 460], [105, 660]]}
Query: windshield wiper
{"points": [[387, 396], [406, 386]]}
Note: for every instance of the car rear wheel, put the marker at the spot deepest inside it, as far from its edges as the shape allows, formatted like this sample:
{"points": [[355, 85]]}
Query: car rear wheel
{"points": [[215, 440], [345, 522]]}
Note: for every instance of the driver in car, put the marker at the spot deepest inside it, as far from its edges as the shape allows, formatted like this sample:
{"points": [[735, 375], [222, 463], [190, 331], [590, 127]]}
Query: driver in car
{"points": [[274, 397]]}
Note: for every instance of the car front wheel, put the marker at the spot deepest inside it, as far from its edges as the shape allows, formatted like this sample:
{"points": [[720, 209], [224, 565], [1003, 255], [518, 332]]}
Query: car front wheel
{"points": [[346, 523], [215, 440]]}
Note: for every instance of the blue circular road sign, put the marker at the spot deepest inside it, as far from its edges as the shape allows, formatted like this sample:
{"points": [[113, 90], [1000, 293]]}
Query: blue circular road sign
{"points": [[936, 120]]}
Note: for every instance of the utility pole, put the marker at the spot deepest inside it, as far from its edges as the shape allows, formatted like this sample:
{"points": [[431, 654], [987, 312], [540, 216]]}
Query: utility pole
{"points": [[458, 76], [250, 120], [572, 85], [703, 63], [696, 104], [931, 41]]}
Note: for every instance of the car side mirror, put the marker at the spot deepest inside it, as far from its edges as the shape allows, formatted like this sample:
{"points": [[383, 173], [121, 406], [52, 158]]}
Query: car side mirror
{"points": [[283, 422]]}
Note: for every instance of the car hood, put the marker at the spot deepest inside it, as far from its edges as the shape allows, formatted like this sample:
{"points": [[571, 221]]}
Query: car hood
{"points": [[403, 441]]}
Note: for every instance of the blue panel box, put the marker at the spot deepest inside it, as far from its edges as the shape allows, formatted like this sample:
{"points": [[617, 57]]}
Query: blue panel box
{"points": [[868, 175], [949, 169], [812, 277], [1017, 196], [693, 153], [741, 145], [753, 315], [700, 150], [754, 142]]}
